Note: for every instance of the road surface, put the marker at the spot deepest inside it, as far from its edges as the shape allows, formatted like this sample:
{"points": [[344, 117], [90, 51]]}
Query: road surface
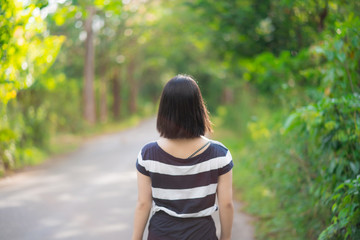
{"points": [[89, 194]]}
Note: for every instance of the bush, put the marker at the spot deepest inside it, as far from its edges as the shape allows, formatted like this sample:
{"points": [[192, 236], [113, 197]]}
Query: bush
{"points": [[300, 174]]}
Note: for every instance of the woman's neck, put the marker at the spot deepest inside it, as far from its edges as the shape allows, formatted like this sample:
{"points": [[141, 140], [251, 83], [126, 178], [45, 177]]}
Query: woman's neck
{"points": [[182, 147]]}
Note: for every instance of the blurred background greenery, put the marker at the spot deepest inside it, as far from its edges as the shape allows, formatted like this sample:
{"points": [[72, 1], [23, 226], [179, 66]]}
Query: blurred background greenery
{"points": [[280, 78]]}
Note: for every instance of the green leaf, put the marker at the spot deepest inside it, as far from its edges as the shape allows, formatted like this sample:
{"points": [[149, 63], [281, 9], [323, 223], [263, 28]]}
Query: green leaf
{"points": [[343, 214], [334, 207], [319, 50], [59, 19], [338, 188], [341, 57], [6, 81], [336, 196], [99, 3], [355, 41], [332, 166], [330, 125], [338, 45], [330, 76], [355, 167], [6, 135], [329, 55], [291, 122]]}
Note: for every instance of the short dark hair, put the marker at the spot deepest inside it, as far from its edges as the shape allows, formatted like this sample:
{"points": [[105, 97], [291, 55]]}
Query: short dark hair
{"points": [[182, 111]]}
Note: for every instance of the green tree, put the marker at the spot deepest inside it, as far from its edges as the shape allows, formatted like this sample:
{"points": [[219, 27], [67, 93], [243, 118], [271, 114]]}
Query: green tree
{"points": [[88, 12], [27, 51]]}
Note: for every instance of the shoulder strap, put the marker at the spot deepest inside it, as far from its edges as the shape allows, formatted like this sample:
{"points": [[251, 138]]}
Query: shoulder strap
{"points": [[199, 150]]}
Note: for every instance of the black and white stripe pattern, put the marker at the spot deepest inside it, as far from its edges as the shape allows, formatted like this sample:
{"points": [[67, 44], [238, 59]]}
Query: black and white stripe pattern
{"points": [[184, 187]]}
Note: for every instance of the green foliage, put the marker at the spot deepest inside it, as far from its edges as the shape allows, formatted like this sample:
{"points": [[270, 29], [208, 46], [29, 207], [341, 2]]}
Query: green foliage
{"points": [[26, 54], [346, 211], [247, 28], [277, 75], [331, 126], [283, 76], [273, 178], [299, 154], [23, 30]]}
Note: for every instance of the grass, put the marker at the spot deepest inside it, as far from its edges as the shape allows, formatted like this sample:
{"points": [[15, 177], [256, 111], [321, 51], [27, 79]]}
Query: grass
{"points": [[267, 178], [259, 201], [247, 130], [67, 142], [62, 143]]}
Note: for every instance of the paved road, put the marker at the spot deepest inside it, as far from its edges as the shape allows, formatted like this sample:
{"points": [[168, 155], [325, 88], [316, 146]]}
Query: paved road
{"points": [[88, 194]]}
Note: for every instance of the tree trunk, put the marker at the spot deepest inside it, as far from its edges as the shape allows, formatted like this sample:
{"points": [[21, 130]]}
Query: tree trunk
{"points": [[88, 91], [322, 17], [116, 88], [103, 99], [228, 95], [133, 87]]}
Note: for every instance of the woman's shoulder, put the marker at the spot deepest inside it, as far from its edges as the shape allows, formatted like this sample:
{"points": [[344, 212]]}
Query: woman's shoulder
{"points": [[218, 148], [223, 155], [219, 145], [149, 145], [149, 149]]}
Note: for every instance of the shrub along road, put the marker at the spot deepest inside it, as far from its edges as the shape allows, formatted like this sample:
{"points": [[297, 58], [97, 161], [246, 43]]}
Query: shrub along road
{"points": [[88, 194]]}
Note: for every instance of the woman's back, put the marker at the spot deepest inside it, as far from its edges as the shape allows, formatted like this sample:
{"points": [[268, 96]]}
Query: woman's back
{"points": [[184, 187], [183, 148], [183, 172]]}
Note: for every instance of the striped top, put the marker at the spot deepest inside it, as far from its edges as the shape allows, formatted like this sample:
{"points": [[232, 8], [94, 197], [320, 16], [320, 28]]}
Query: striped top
{"points": [[184, 187]]}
